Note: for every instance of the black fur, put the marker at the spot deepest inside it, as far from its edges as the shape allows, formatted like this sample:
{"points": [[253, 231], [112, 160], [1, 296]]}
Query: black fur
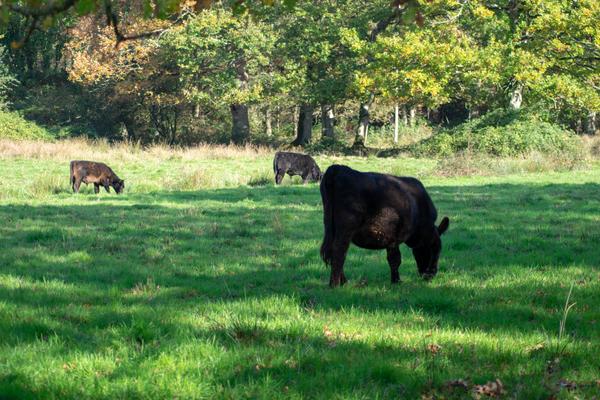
{"points": [[295, 164], [378, 211]]}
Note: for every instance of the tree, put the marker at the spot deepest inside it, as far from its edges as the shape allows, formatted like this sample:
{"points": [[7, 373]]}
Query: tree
{"points": [[415, 68], [547, 53], [374, 19], [222, 60], [132, 84], [7, 80], [315, 63]]}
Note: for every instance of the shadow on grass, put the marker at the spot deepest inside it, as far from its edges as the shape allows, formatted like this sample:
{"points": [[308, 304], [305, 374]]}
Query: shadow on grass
{"points": [[138, 264]]}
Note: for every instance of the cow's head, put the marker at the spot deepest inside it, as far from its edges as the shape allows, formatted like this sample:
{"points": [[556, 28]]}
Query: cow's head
{"points": [[427, 254], [119, 185], [315, 173]]}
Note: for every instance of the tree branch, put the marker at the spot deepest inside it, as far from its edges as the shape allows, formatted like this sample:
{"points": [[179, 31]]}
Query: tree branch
{"points": [[43, 11]]}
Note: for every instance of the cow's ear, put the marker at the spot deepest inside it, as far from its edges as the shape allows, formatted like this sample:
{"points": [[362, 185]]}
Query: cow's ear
{"points": [[443, 226]]}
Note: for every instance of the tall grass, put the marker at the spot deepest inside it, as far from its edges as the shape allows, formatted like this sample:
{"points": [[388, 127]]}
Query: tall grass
{"points": [[42, 167], [81, 148]]}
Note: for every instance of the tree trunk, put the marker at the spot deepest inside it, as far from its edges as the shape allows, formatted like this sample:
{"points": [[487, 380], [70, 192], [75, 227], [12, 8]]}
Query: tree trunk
{"points": [[268, 118], [591, 123], [363, 125], [277, 119], [396, 124], [240, 130], [304, 128], [129, 128], [413, 116], [516, 97], [404, 116], [295, 120], [197, 111], [327, 120]]}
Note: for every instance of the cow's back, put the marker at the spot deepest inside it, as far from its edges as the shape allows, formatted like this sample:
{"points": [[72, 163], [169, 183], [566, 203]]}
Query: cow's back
{"points": [[292, 162], [373, 201], [368, 191], [427, 211], [91, 170]]}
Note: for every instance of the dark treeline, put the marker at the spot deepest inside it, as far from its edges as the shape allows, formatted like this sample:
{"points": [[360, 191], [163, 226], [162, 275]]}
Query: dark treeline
{"points": [[299, 71]]}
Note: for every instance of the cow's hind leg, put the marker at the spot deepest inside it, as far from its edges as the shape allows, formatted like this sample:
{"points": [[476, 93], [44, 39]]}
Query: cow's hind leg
{"points": [[338, 256], [394, 258]]}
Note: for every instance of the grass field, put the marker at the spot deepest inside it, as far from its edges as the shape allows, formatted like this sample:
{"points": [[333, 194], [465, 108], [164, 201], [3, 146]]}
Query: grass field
{"points": [[203, 281]]}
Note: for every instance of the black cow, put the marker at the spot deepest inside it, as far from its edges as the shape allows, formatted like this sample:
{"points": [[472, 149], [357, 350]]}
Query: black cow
{"points": [[295, 164], [378, 211]]}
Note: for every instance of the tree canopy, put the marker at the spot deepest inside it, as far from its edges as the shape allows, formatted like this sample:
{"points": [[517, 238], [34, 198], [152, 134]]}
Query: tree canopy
{"points": [[177, 70]]}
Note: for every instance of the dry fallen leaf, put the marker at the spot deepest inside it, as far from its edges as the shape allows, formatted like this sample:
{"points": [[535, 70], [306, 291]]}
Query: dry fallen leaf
{"points": [[258, 367], [434, 348], [457, 383], [490, 389]]}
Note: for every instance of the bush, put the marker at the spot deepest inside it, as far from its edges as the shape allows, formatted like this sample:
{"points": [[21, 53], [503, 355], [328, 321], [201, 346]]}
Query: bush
{"points": [[502, 133], [13, 126]]}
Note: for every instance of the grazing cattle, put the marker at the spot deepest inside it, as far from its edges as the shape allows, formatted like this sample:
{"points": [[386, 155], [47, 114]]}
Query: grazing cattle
{"points": [[378, 211], [96, 173], [295, 164]]}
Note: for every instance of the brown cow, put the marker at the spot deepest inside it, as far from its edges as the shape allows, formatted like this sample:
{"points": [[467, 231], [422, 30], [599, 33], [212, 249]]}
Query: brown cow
{"points": [[97, 173]]}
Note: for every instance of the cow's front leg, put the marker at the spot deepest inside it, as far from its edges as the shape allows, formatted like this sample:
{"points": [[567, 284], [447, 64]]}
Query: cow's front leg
{"points": [[279, 177], [394, 258], [76, 185], [304, 179], [338, 256], [96, 188], [106, 185]]}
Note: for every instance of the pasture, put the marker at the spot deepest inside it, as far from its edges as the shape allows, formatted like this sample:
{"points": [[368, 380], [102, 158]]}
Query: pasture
{"points": [[203, 280]]}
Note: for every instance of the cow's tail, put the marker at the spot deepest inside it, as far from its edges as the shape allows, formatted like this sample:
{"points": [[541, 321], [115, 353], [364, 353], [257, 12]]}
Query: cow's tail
{"points": [[327, 195], [275, 162]]}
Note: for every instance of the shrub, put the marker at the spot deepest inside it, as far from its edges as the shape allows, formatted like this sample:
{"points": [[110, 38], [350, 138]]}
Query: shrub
{"points": [[13, 126], [502, 133]]}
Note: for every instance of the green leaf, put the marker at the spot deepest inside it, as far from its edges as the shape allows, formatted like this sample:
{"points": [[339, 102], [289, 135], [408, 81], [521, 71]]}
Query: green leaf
{"points": [[84, 7]]}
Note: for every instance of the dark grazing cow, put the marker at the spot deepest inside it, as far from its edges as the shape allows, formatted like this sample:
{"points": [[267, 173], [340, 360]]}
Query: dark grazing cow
{"points": [[97, 173], [378, 211], [295, 164]]}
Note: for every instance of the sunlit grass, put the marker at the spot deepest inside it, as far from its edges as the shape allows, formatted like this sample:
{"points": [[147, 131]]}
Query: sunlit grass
{"points": [[204, 281]]}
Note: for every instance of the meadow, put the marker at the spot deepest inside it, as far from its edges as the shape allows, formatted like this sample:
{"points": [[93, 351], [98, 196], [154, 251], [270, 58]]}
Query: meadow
{"points": [[203, 280]]}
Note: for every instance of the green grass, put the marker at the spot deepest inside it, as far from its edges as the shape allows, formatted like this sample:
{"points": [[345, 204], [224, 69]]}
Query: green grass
{"points": [[220, 292]]}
